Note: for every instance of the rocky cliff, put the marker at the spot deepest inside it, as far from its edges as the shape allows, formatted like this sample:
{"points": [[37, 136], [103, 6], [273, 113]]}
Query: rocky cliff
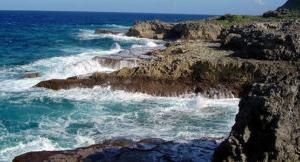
{"points": [[268, 122], [268, 41], [291, 5]]}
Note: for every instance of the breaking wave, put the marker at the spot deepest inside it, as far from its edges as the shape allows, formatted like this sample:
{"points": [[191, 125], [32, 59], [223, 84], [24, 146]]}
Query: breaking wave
{"points": [[93, 115], [67, 119]]}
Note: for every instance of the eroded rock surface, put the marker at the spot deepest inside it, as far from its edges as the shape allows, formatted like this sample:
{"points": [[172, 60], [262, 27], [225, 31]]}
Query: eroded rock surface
{"points": [[190, 30], [196, 30], [150, 29], [268, 122], [266, 41], [198, 68], [146, 150]]}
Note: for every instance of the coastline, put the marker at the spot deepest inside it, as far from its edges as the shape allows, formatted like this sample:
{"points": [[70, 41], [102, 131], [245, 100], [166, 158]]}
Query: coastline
{"points": [[206, 63]]}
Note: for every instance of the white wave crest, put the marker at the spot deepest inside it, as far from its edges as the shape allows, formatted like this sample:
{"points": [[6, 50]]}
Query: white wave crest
{"points": [[168, 117], [37, 144], [115, 26], [90, 35], [97, 114], [59, 68]]}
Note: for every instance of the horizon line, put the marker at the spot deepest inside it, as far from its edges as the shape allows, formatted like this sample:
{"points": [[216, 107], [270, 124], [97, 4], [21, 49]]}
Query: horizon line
{"points": [[126, 12]]}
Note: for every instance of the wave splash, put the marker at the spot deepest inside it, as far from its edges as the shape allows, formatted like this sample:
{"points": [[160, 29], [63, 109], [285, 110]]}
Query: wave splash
{"points": [[91, 35], [99, 113], [80, 117], [74, 65], [56, 68], [114, 26]]}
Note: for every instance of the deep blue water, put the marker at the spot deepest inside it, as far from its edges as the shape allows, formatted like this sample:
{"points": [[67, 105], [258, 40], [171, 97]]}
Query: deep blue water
{"points": [[63, 44], [38, 35]]}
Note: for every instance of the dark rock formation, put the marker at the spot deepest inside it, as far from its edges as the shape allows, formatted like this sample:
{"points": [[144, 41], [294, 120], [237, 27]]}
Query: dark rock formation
{"points": [[195, 30], [150, 29], [266, 41], [268, 122], [291, 5], [159, 87], [129, 151], [277, 13], [105, 31]]}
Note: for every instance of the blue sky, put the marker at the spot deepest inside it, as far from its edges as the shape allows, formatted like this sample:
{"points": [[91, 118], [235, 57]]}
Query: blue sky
{"points": [[215, 7]]}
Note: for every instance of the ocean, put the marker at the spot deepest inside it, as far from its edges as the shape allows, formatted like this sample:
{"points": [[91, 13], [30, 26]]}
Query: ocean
{"points": [[63, 44]]}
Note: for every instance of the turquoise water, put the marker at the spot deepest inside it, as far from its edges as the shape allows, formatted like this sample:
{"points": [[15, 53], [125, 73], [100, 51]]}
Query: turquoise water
{"points": [[63, 44]]}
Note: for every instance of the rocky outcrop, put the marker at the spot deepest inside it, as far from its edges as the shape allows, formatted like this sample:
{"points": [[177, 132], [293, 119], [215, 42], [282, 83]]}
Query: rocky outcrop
{"points": [[291, 5], [187, 67], [150, 29], [266, 41], [121, 150], [196, 30], [191, 30], [277, 13], [268, 122], [203, 70]]}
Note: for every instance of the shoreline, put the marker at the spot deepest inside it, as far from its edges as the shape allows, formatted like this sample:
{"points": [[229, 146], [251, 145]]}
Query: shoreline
{"points": [[197, 64]]}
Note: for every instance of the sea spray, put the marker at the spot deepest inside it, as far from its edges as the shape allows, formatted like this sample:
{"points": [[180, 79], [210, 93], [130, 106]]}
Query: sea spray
{"points": [[59, 45]]}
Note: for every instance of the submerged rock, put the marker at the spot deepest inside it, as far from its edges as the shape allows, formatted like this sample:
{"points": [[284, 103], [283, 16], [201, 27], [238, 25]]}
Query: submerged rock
{"points": [[121, 150], [266, 41], [32, 75], [105, 31], [268, 122]]}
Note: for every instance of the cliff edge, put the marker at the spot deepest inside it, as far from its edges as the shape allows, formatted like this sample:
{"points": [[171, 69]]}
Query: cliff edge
{"points": [[291, 5]]}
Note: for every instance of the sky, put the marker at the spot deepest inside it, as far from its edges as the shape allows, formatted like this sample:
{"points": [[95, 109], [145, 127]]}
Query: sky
{"points": [[211, 7]]}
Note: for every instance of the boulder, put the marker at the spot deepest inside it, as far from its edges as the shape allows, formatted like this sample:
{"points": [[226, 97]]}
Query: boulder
{"points": [[196, 30], [264, 41], [268, 122], [150, 29]]}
